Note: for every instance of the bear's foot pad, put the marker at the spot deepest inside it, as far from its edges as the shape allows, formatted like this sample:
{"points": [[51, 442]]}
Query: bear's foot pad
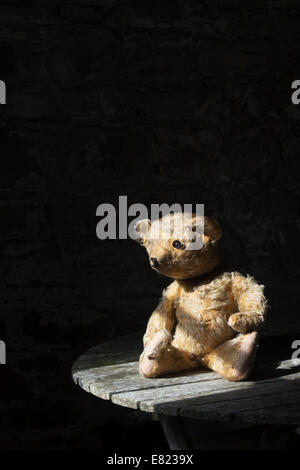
{"points": [[245, 357], [148, 360]]}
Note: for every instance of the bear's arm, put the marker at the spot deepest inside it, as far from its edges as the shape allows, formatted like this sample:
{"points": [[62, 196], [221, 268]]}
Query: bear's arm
{"points": [[163, 316], [251, 304]]}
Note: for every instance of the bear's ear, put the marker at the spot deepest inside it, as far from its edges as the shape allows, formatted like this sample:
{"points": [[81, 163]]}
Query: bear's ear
{"points": [[212, 230], [142, 228], [202, 236]]}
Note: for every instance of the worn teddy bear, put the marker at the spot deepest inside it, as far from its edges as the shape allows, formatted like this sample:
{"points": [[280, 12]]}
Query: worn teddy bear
{"points": [[207, 317]]}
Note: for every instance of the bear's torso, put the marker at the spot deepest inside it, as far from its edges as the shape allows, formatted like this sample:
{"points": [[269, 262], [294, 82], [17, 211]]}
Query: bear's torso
{"points": [[202, 309]]}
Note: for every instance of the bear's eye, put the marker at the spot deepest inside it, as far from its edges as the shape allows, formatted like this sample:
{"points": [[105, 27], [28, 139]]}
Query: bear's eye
{"points": [[177, 244]]}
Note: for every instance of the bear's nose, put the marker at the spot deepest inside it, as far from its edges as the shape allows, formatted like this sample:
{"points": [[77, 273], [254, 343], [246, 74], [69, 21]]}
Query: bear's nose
{"points": [[154, 262]]}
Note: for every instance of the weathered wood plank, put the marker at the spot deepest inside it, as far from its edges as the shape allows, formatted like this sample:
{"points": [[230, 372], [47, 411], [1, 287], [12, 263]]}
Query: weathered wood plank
{"points": [[232, 406], [105, 381], [228, 394], [110, 371], [169, 399], [286, 414]]}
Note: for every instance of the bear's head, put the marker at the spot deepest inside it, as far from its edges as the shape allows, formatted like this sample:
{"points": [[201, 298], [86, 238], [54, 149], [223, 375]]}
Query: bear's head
{"points": [[179, 248]]}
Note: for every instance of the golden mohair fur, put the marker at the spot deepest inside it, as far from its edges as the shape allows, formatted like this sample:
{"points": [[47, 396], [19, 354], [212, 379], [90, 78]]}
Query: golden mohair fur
{"points": [[206, 317]]}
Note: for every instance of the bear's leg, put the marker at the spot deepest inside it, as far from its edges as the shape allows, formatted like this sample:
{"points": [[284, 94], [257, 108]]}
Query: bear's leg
{"points": [[160, 357], [233, 359]]}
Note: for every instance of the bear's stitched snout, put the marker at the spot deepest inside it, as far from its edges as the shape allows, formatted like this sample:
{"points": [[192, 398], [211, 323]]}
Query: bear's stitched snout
{"points": [[159, 257]]}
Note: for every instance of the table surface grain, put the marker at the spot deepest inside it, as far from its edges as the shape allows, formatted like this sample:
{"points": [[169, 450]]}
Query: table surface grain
{"points": [[271, 395]]}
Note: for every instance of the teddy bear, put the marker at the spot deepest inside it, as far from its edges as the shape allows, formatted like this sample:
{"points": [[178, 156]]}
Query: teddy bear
{"points": [[207, 317]]}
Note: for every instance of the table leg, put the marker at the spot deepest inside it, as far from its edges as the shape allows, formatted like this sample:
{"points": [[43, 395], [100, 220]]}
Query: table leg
{"points": [[173, 432]]}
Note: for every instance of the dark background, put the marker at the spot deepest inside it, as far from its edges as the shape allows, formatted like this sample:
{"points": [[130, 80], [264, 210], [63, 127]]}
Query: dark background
{"points": [[162, 101]]}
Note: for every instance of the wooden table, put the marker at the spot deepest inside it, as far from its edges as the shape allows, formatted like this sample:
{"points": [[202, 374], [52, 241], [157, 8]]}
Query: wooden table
{"points": [[272, 396]]}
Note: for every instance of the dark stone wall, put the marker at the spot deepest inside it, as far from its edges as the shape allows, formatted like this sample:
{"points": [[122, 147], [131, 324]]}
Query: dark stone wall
{"points": [[162, 101]]}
